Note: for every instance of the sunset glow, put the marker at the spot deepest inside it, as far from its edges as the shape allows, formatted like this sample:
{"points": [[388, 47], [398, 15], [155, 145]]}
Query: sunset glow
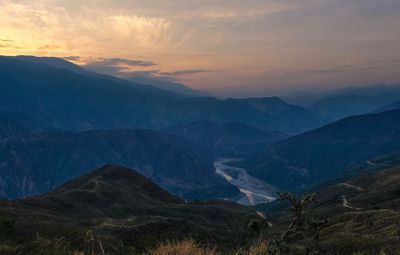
{"points": [[226, 47]]}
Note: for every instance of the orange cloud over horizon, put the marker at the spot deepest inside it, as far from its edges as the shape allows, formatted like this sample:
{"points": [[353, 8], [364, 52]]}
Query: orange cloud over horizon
{"points": [[236, 46]]}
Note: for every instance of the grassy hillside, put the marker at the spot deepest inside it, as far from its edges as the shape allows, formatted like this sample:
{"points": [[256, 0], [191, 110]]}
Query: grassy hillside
{"points": [[363, 215], [120, 211]]}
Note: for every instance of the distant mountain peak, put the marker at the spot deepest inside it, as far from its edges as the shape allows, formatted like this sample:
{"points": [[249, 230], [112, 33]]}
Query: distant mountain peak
{"points": [[51, 61], [121, 183], [153, 82]]}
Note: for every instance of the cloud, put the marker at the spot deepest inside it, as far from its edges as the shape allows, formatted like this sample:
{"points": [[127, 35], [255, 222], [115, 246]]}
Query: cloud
{"points": [[122, 62], [149, 74], [114, 66], [143, 31], [299, 42], [132, 68], [38, 25], [9, 46], [341, 69], [184, 72], [48, 47], [351, 68], [8, 43], [72, 58], [144, 74], [128, 68]]}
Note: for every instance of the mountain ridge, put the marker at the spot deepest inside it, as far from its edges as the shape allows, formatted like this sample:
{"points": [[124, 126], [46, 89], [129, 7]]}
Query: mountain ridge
{"points": [[389, 107], [152, 82], [36, 163], [69, 100], [230, 139], [327, 151]]}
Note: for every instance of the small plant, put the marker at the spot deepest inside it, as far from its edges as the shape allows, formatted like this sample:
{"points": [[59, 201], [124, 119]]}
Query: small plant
{"points": [[303, 225]]}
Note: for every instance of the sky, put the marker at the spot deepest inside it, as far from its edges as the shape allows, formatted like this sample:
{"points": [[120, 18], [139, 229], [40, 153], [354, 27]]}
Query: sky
{"points": [[229, 47]]}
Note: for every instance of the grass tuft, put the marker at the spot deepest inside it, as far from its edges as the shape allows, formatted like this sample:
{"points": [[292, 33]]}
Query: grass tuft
{"points": [[182, 248]]}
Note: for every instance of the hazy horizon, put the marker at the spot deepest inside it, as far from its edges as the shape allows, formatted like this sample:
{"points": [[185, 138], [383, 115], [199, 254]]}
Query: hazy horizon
{"points": [[230, 48]]}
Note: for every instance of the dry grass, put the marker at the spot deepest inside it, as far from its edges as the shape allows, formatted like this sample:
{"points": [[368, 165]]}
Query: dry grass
{"points": [[181, 248], [189, 247], [260, 248]]}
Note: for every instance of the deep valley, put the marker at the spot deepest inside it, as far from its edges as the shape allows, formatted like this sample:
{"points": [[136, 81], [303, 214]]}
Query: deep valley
{"points": [[92, 164]]}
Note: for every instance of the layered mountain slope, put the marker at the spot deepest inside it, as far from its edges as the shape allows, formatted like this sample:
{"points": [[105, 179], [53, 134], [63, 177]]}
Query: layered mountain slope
{"points": [[11, 125], [389, 107], [36, 163], [149, 81], [231, 139], [263, 113], [307, 98], [326, 152], [341, 103], [14, 123], [69, 99], [118, 209], [338, 107]]}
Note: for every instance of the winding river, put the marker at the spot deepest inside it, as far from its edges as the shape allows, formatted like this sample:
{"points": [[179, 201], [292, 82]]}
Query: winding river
{"points": [[253, 191]]}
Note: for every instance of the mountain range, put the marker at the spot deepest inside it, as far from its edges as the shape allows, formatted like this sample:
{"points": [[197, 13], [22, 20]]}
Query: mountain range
{"points": [[341, 103], [326, 152], [37, 162], [227, 140], [73, 99], [339, 107], [150, 81], [102, 165]]}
